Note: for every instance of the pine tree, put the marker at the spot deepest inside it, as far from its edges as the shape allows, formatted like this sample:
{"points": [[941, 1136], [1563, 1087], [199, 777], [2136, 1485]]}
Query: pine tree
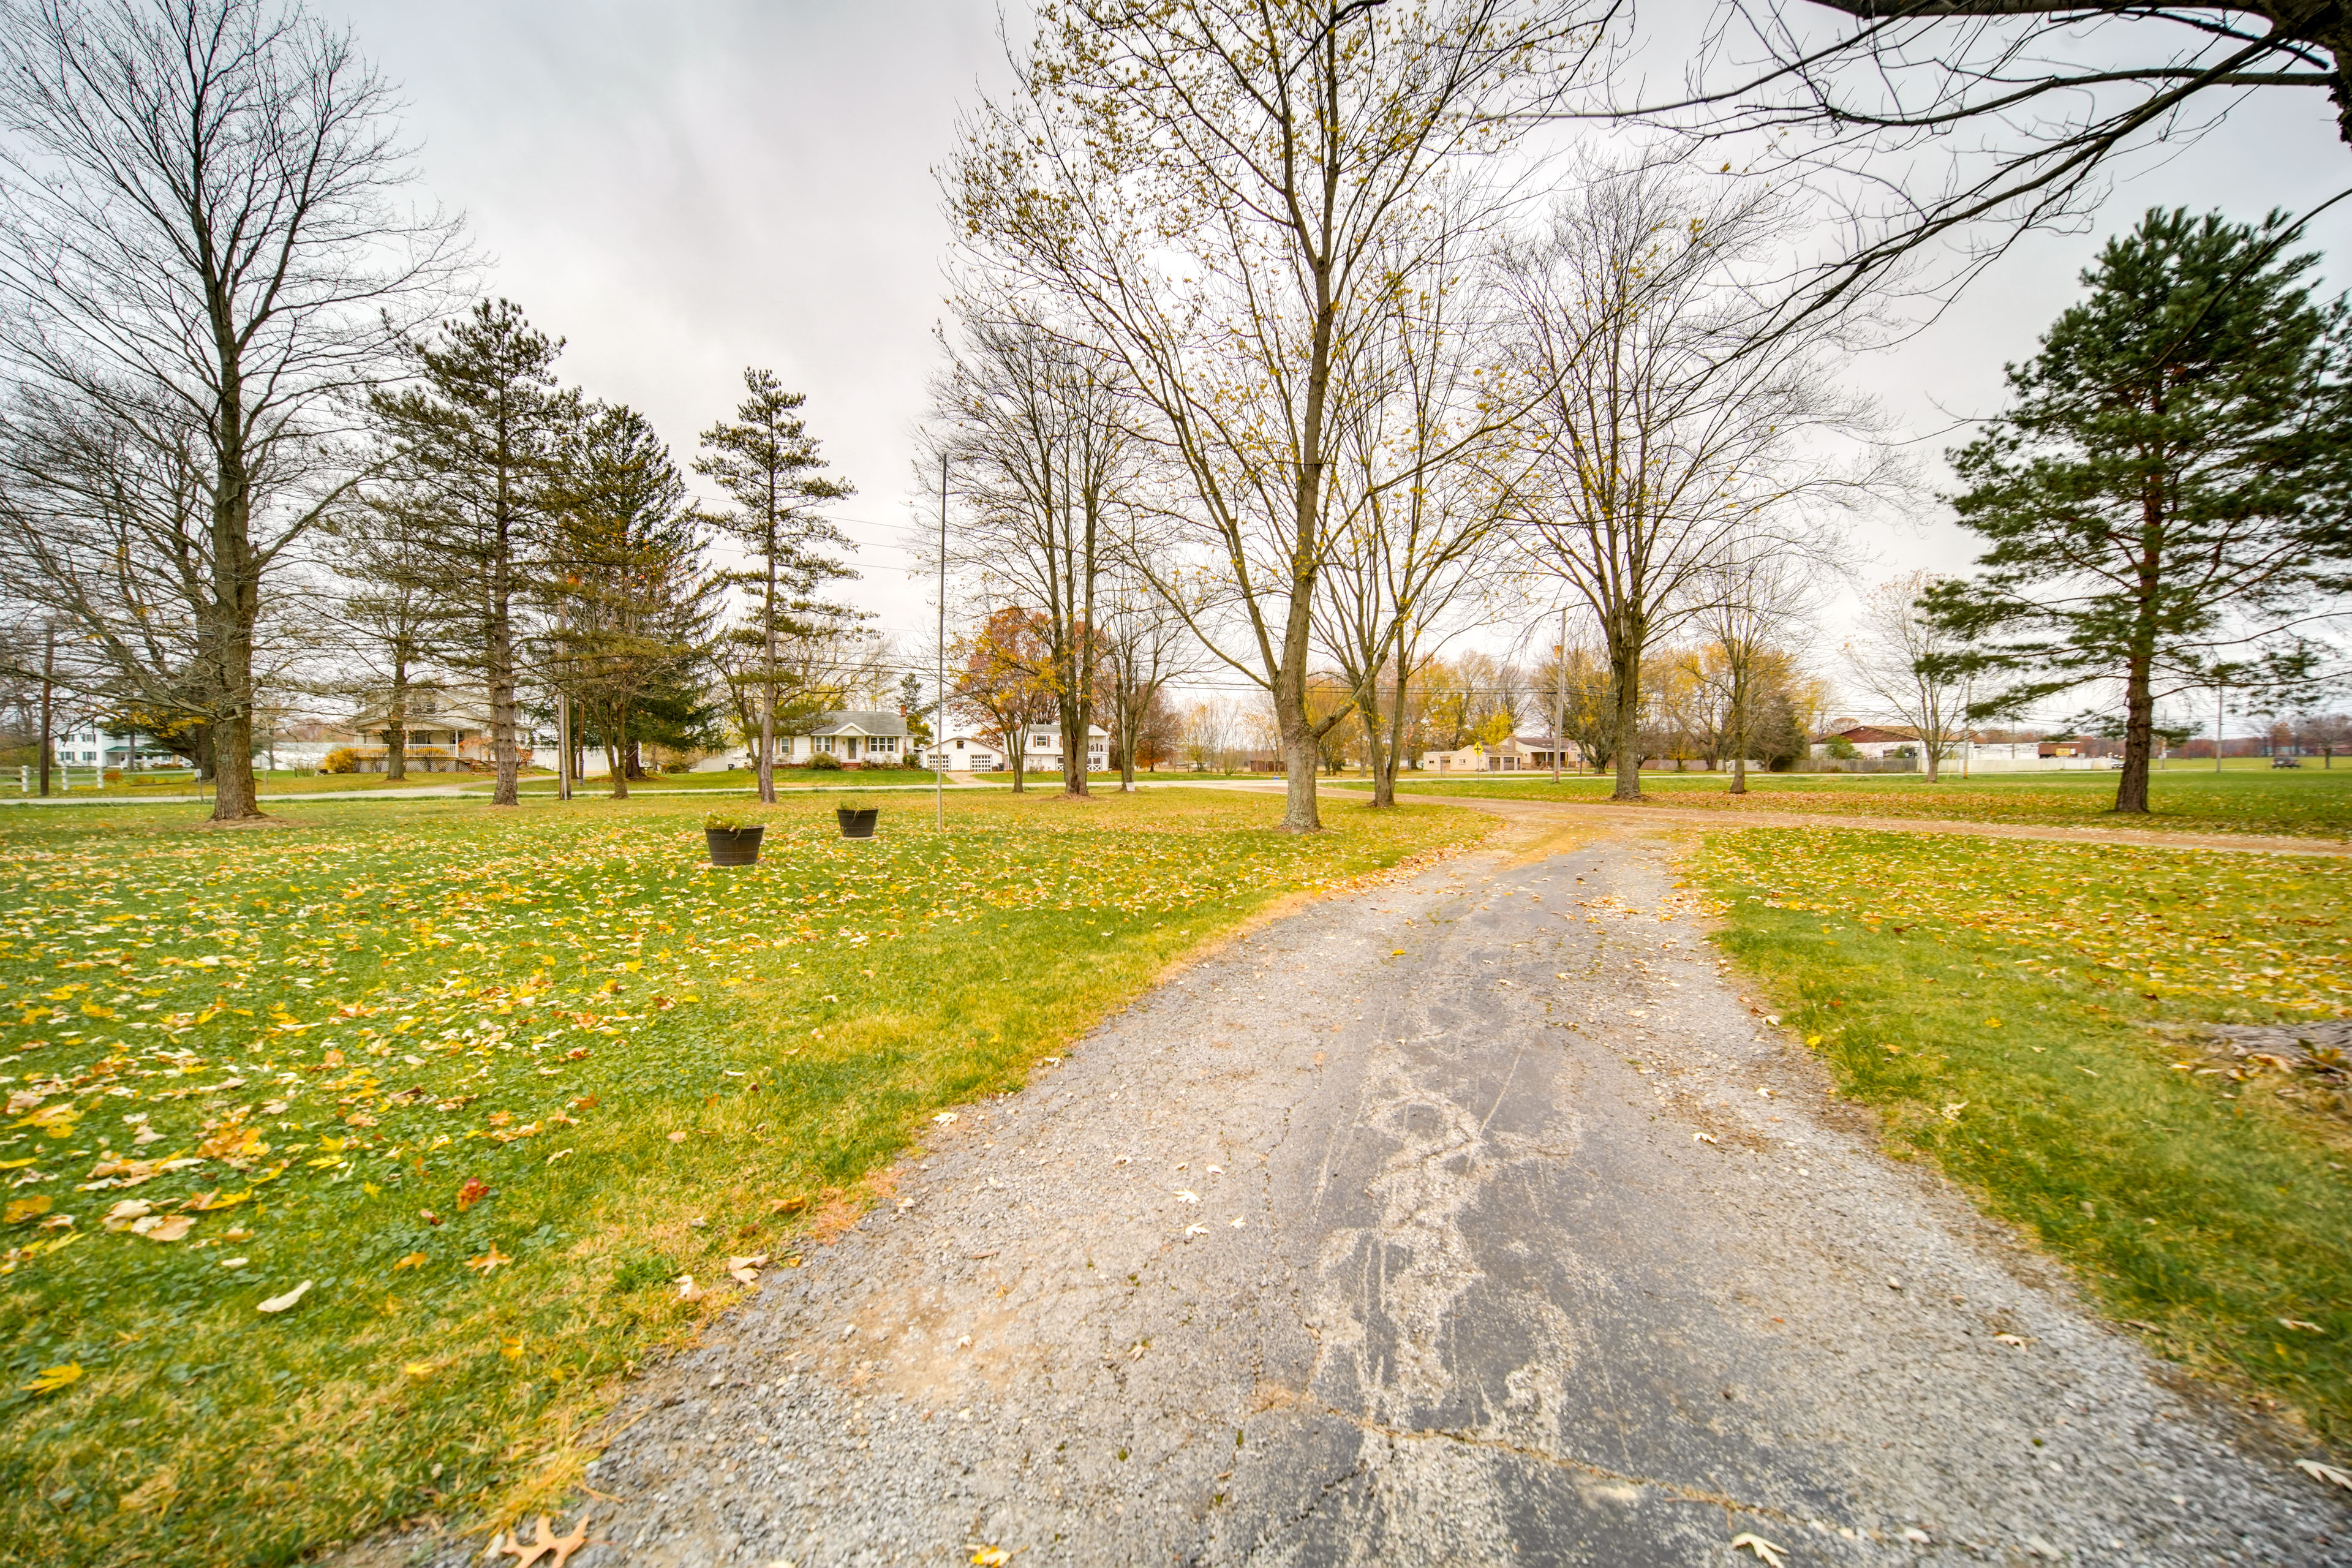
{"points": [[475, 441], [633, 602], [2172, 484], [766, 462]]}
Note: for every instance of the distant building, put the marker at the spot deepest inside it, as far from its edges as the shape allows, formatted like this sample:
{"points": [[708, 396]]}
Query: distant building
{"points": [[1516, 753], [984, 752]]}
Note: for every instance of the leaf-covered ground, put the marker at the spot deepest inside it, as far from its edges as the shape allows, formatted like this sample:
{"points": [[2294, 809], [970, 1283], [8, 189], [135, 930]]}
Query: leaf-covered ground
{"points": [[2306, 802], [489, 1084], [2030, 1015]]}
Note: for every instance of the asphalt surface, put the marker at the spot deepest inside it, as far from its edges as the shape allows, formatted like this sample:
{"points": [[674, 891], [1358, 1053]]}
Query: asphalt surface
{"points": [[1472, 1219]]}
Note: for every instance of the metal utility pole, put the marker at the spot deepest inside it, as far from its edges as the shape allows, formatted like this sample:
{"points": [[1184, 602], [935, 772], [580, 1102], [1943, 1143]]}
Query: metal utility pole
{"points": [[2220, 697], [1560, 695], [48, 683], [939, 705]]}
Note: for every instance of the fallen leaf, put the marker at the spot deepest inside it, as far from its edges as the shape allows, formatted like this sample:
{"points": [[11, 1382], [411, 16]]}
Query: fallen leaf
{"points": [[50, 1379], [488, 1260], [688, 1290], [945, 1118], [22, 1209], [1702, 1137], [1952, 1111], [473, 1191], [2299, 1323], [280, 1303], [172, 1229], [2326, 1474], [120, 1217], [1184, 1197], [677, 1137], [413, 1260], [989, 1557], [2017, 1341], [1764, 1550]]}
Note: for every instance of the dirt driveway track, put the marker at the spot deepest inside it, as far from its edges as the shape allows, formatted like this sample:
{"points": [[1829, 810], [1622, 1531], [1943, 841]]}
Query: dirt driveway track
{"points": [[1472, 1219]]}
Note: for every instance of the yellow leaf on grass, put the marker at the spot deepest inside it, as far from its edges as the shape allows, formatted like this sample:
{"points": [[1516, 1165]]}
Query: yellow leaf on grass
{"points": [[50, 1379], [280, 1303], [22, 1209], [488, 1260], [172, 1229], [413, 1260]]}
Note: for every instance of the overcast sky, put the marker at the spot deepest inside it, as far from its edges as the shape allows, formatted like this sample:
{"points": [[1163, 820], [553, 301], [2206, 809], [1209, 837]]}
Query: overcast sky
{"points": [[684, 190]]}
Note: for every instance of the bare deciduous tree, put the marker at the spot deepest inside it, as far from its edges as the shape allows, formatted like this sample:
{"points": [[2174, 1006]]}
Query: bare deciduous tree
{"points": [[1042, 443], [1904, 660], [204, 248], [1659, 454], [1941, 130], [1209, 185]]}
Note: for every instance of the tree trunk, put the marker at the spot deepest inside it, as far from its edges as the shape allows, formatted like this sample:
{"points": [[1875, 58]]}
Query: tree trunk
{"points": [[633, 761], [2139, 735], [1740, 735], [767, 673], [395, 725], [616, 767], [502, 672], [1625, 662]]}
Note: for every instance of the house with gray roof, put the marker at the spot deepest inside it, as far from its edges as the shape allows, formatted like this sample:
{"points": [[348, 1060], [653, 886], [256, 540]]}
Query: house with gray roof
{"points": [[852, 736]]}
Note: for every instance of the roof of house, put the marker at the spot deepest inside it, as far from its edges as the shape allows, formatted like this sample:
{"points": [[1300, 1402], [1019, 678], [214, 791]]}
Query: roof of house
{"points": [[1863, 733], [858, 721]]}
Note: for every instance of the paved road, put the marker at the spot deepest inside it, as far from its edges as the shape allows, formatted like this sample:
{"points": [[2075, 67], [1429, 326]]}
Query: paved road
{"points": [[1472, 1219]]}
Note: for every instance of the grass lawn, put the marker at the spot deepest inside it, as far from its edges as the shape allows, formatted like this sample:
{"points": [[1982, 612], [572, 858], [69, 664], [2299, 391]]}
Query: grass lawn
{"points": [[285, 781], [2021, 1012], [483, 1085], [2308, 802]]}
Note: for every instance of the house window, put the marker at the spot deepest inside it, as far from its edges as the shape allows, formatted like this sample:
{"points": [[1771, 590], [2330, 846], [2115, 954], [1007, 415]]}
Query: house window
{"points": [[883, 743], [959, 742], [823, 743]]}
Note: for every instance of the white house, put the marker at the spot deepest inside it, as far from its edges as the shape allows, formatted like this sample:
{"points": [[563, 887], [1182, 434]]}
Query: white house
{"points": [[1518, 753], [91, 747], [979, 751]]}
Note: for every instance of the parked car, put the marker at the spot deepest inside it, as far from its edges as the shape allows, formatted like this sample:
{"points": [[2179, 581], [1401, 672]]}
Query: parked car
{"points": [[2115, 764], [2286, 762]]}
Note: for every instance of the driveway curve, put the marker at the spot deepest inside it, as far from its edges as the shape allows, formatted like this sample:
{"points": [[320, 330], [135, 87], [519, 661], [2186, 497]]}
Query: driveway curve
{"points": [[1473, 1218]]}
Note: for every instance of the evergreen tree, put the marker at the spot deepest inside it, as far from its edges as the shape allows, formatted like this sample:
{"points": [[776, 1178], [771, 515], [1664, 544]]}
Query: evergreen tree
{"points": [[766, 462], [635, 604], [2170, 489], [475, 441]]}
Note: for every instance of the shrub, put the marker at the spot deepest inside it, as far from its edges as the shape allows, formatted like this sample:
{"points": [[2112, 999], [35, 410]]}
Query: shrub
{"points": [[725, 822], [825, 761], [341, 759], [1840, 748]]}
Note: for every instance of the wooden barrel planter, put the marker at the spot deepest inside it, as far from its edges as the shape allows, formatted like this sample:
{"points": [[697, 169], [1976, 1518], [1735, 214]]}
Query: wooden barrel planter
{"points": [[734, 846], [857, 823]]}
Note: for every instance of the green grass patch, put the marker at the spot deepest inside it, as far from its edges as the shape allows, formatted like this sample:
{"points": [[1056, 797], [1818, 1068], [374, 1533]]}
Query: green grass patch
{"points": [[2025, 1014], [489, 1082], [2306, 802]]}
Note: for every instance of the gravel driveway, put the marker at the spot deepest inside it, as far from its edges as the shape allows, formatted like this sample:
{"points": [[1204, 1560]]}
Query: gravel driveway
{"points": [[1470, 1219]]}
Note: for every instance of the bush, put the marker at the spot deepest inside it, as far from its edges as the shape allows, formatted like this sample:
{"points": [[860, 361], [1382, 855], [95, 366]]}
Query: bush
{"points": [[1840, 748], [825, 761], [341, 759]]}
